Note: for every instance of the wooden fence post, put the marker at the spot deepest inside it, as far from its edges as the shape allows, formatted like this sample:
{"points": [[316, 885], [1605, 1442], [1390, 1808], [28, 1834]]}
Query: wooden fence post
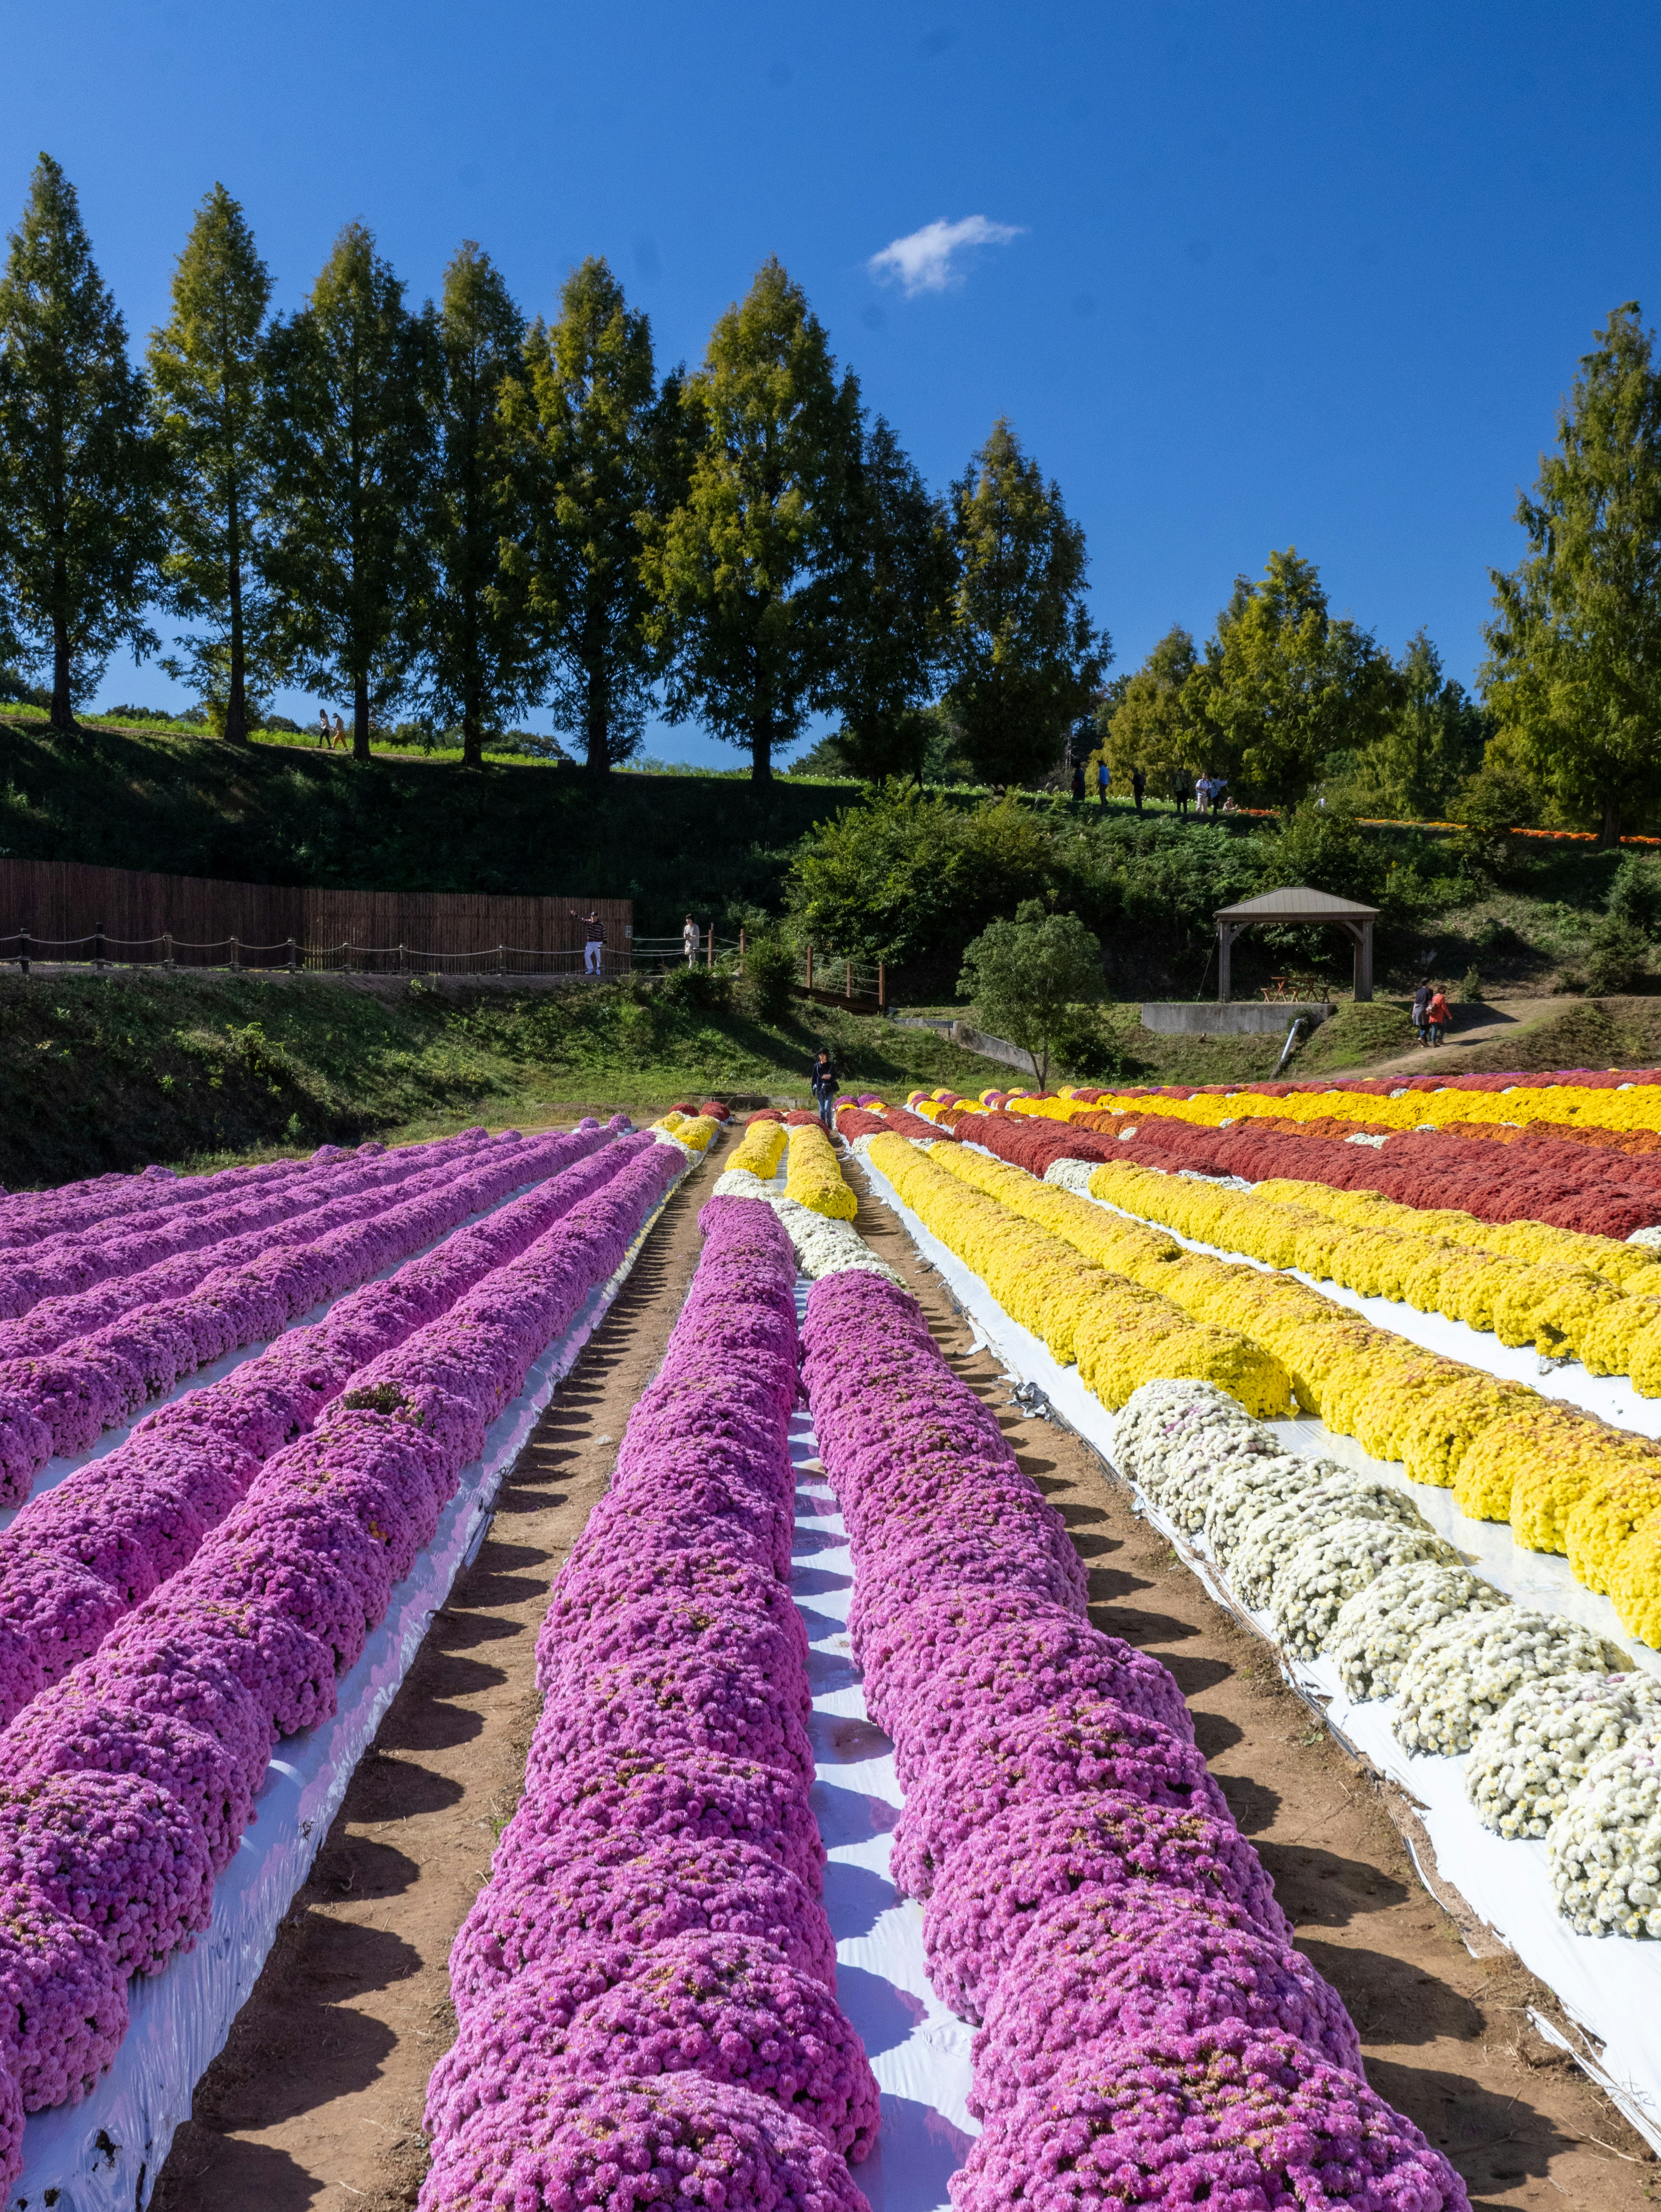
{"points": [[501, 960], [403, 960], [741, 952], [236, 956], [810, 967], [167, 951], [882, 988], [23, 957], [850, 982], [291, 956], [710, 948], [97, 948]]}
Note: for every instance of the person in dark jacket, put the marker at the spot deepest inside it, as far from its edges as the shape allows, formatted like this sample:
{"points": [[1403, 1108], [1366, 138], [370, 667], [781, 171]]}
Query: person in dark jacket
{"points": [[1138, 785], [1422, 999], [825, 1083], [1078, 779]]}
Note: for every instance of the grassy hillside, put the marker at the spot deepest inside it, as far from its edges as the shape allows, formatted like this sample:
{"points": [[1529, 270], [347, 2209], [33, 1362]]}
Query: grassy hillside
{"points": [[114, 1072], [287, 814]]}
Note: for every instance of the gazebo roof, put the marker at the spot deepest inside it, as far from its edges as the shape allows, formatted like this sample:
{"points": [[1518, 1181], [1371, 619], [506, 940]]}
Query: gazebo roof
{"points": [[1297, 903]]}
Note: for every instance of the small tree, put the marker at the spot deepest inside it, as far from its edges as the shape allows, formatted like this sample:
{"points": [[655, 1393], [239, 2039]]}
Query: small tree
{"points": [[1025, 660], [1574, 663], [1028, 977], [350, 376], [80, 521], [588, 428], [206, 368], [482, 666], [744, 571], [1152, 727]]}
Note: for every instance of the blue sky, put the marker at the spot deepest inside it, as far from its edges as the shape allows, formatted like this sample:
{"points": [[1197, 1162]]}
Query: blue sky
{"points": [[1296, 274]]}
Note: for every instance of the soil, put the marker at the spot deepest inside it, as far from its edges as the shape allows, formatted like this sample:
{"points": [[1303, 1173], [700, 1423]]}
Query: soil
{"points": [[316, 2101]]}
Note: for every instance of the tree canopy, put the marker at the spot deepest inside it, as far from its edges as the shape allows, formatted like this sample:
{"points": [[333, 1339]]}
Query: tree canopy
{"points": [[1024, 657], [1152, 727], [1028, 978], [1574, 666], [79, 518]]}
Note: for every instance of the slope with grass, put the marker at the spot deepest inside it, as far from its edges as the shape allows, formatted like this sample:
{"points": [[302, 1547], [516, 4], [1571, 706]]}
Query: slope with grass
{"points": [[116, 1071]]}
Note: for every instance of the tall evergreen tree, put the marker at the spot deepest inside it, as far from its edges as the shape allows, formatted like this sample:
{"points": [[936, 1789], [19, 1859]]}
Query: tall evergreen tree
{"points": [[1149, 726], [481, 662], [586, 425], [1284, 683], [206, 371], [744, 571], [349, 379], [1574, 666], [1432, 742], [894, 584], [80, 530], [1024, 658]]}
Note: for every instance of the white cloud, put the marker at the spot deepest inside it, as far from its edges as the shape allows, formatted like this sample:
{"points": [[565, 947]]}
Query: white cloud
{"points": [[923, 260]]}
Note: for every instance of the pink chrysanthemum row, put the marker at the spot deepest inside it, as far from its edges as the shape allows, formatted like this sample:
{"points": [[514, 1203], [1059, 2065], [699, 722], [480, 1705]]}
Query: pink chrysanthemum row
{"points": [[126, 1786], [645, 1988], [1149, 2033]]}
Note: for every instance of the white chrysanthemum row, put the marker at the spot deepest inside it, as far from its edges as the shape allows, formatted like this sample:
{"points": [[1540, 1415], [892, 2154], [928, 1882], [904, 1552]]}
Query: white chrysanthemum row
{"points": [[1565, 1742], [824, 1246]]}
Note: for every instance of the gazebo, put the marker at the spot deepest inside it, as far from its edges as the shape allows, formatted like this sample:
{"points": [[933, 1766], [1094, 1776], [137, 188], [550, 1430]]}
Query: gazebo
{"points": [[1299, 906]]}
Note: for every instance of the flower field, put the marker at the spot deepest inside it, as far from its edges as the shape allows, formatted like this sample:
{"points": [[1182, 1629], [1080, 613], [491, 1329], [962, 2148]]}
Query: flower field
{"points": [[236, 1416]]}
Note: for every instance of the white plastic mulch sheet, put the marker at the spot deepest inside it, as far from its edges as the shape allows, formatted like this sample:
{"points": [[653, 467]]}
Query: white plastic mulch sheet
{"points": [[104, 2156], [918, 2050], [1610, 1986], [56, 1469]]}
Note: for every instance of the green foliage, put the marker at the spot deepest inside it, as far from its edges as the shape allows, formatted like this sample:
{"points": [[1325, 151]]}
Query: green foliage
{"points": [[205, 371], [1152, 727], [349, 378], [1635, 894], [707, 989], [1619, 955], [1023, 658], [1283, 684], [1472, 993], [594, 450], [1325, 847], [770, 967], [80, 527], [1574, 666], [1354, 1036], [1432, 740], [1489, 805], [480, 651], [1028, 977], [1089, 1046], [893, 582], [744, 569]]}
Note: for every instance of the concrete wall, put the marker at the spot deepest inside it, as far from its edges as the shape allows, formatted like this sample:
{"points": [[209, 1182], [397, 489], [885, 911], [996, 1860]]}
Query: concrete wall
{"points": [[974, 1040], [1239, 1017]]}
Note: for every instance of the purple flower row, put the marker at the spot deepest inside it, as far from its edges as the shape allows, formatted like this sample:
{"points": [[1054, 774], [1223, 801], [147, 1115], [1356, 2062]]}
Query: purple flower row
{"points": [[27, 1216], [126, 1788], [1148, 2034], [61, 1401], [68, 1265], [80, 1557], [306, 1208], [645, 1987]]}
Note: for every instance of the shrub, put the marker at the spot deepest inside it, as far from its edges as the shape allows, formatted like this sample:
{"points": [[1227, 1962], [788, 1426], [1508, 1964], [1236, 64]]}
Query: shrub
{"points": [[1618, 957], [1471, 988], [703, 990], [770, 970]]}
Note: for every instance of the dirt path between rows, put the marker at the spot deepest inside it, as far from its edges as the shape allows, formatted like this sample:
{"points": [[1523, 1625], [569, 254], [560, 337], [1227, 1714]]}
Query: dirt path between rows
{"points": [[316, 2101]]}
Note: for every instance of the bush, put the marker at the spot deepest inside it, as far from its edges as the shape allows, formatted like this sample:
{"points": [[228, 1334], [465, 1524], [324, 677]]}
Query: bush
{"points": [[1032, 978], [1490, 805], [1619, 956], [703, 990], [1635, 894], [770, 970], [1088, 1046], [1471, 988]]}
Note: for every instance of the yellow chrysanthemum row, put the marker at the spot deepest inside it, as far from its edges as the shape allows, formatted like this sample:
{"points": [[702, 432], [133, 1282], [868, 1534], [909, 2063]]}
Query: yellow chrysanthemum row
{"points": [[693, 1129], [1120, 1335], [1639, 1107], [1566, 1482], [812, 1177], [760, 1149], [1595, 1299]]}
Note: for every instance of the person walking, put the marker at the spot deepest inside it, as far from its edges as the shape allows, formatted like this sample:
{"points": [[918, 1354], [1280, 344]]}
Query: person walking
{"points": [[593, 940], [1078, 781], [1422, 999], [825, 1083], [1138, 785], [1181, 790], [340, 735], [324, 734], [1436, 1015], [691, 937], [1202, 793], [1103, 780]]}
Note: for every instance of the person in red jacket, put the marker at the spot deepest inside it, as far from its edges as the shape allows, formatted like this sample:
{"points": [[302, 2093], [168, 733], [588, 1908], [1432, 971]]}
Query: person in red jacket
{"points": [[1436, 1015]]}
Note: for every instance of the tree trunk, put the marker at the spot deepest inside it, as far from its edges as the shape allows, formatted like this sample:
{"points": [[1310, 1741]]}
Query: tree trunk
{"points": [[1610, 832], [597, 733], [361, 718], [761, 756], [236, 703], [472, 735], [63, 713]]}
